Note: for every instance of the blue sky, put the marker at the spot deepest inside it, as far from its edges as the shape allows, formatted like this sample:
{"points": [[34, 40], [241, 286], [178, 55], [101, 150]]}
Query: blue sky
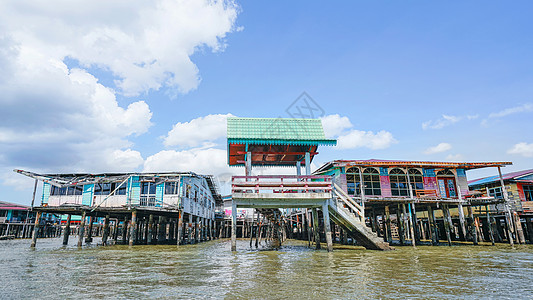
{"points": [[449, 81]]}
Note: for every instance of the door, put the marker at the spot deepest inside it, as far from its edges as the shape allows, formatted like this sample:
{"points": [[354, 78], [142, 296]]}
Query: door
{"points": [[447, 187]]}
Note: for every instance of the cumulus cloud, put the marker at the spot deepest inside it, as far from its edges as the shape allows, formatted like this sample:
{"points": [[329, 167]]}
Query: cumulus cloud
{"points": [[334, 125], [523, 149], [446, 120], [145, 44], [442, 147], [347, 137], [199, 131], [368, 139]]}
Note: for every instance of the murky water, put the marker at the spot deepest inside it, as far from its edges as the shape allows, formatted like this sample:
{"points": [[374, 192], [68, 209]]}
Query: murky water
{"points": [[211, 270]]}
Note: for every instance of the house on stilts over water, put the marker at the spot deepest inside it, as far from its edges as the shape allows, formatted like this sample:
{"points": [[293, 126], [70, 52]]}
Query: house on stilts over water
{"points": [[135, 208], [373, 202]]}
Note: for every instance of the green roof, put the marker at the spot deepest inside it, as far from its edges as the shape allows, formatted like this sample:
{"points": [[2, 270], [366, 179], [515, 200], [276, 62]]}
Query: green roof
{"points": [[277, 131]]}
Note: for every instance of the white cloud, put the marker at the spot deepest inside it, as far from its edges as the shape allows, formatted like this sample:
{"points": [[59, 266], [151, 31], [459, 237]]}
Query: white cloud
{"points": [[145, 44], [334, 125], [442, 147], [512, 110], [199, 131], [523, 149], [357, 139], [59, 119], [446, 120], [454, 157]]}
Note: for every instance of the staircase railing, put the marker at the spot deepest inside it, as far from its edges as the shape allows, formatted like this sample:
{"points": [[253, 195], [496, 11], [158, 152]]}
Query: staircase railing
{"points": [[348, 201]]}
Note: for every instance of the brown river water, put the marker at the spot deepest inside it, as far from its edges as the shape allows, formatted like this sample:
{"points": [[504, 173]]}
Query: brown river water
{"points": [[210, 270]]}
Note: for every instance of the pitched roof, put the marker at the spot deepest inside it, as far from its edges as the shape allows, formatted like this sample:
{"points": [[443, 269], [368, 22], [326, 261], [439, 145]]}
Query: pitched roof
{"points": [[277, 131], [12, 206], [409, 164], [515, 176]]}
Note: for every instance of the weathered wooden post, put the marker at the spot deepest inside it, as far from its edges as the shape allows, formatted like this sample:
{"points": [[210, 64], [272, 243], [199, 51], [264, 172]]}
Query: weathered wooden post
{"points": [[327, 225], [472, 229], [89, 238], [233, 226], [180, 227], [447, 223], [315, 228], [105, 234], [388, 231], [508, 217], [133, 230], [434, 231], [416, 231], [82, 229], [519, 230], [401, 225], [489, 225], [66, 233], [412, 227], [35, 229]]}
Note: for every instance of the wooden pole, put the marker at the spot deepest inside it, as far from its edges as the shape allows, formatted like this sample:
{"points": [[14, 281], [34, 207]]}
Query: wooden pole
{"points": [[518, 227], [233, 226], [327, 225], [432, 226], [35, 229], [315, 228], [180, 228], [414, 221], [507, 208], [413, 238], [105, 234], [133, 230], [401, 226], [388, 231], [489, 225], [82, 229], [472, 229], [447, 223], [89, 238], [66, 234]]}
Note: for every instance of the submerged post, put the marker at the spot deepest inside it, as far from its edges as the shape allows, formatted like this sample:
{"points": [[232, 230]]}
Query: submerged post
{"points": [[388, 231], [179, 236], [66, 233], [447, 223], [315, 228], [150, 235], [327, 225], [508, 217], [433, 226], [89, 238], [133, 230], [233, 226], [82, 229], [35, 229], [105, 235]]}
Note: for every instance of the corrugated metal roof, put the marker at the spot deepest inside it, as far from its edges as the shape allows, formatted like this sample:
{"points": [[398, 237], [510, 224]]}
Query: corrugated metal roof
{"points": [[508, 176], [277, 131]]}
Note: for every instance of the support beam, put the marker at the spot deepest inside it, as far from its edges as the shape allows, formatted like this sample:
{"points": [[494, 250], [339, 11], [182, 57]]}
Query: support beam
{"points": [[327, 225], [471, 226], [315, 228], [433, 229], [401, 225], [89, 238], [447, 223], [307, 163], [82, 229], [411, 227], [233, 226], [388, 231], [35, 230], [133, 231], [66, 233], [105, 235], [508, 217], [150, 235], [180, 228], [489, 225]]}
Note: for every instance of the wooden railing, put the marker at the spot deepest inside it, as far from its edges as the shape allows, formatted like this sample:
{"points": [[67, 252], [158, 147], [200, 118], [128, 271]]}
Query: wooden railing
{"points": [[281, 184], [426, 193]]}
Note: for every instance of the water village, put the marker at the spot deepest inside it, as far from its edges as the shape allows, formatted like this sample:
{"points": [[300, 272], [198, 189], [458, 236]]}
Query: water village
{"points": [[377, 204]]}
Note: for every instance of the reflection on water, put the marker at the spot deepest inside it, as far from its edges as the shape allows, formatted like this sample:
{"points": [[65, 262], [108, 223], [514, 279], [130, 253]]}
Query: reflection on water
{"points": [[211, 270]]}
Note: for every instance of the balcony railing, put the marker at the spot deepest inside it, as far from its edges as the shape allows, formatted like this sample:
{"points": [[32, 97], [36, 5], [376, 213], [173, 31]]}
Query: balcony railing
{"points": [[281, 184]]}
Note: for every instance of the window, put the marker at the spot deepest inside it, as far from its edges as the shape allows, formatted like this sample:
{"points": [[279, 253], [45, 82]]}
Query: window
{"points": [[528, 192], [371, 182], [445, 172], [352, 181], [148, 188], [496, 192], [171, 188], [417, 182], [398, 182]]}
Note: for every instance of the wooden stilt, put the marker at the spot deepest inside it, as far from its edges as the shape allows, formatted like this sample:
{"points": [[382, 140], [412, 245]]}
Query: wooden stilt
{"points": [[82, 229], [125, 231], [180, 228], [388, 230], [412, 227], [462, 219], [105, 234], [66, 233], [327, 226], [471, 226], [233, 226], [447, 223], [414, 220], [133, 228], [529, 228], [518, 227], [315, 228], [401, 226], [89, 238], [35, 229]]}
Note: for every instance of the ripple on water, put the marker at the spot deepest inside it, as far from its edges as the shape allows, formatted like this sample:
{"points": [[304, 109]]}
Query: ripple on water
{"points": [[211, 270]]}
